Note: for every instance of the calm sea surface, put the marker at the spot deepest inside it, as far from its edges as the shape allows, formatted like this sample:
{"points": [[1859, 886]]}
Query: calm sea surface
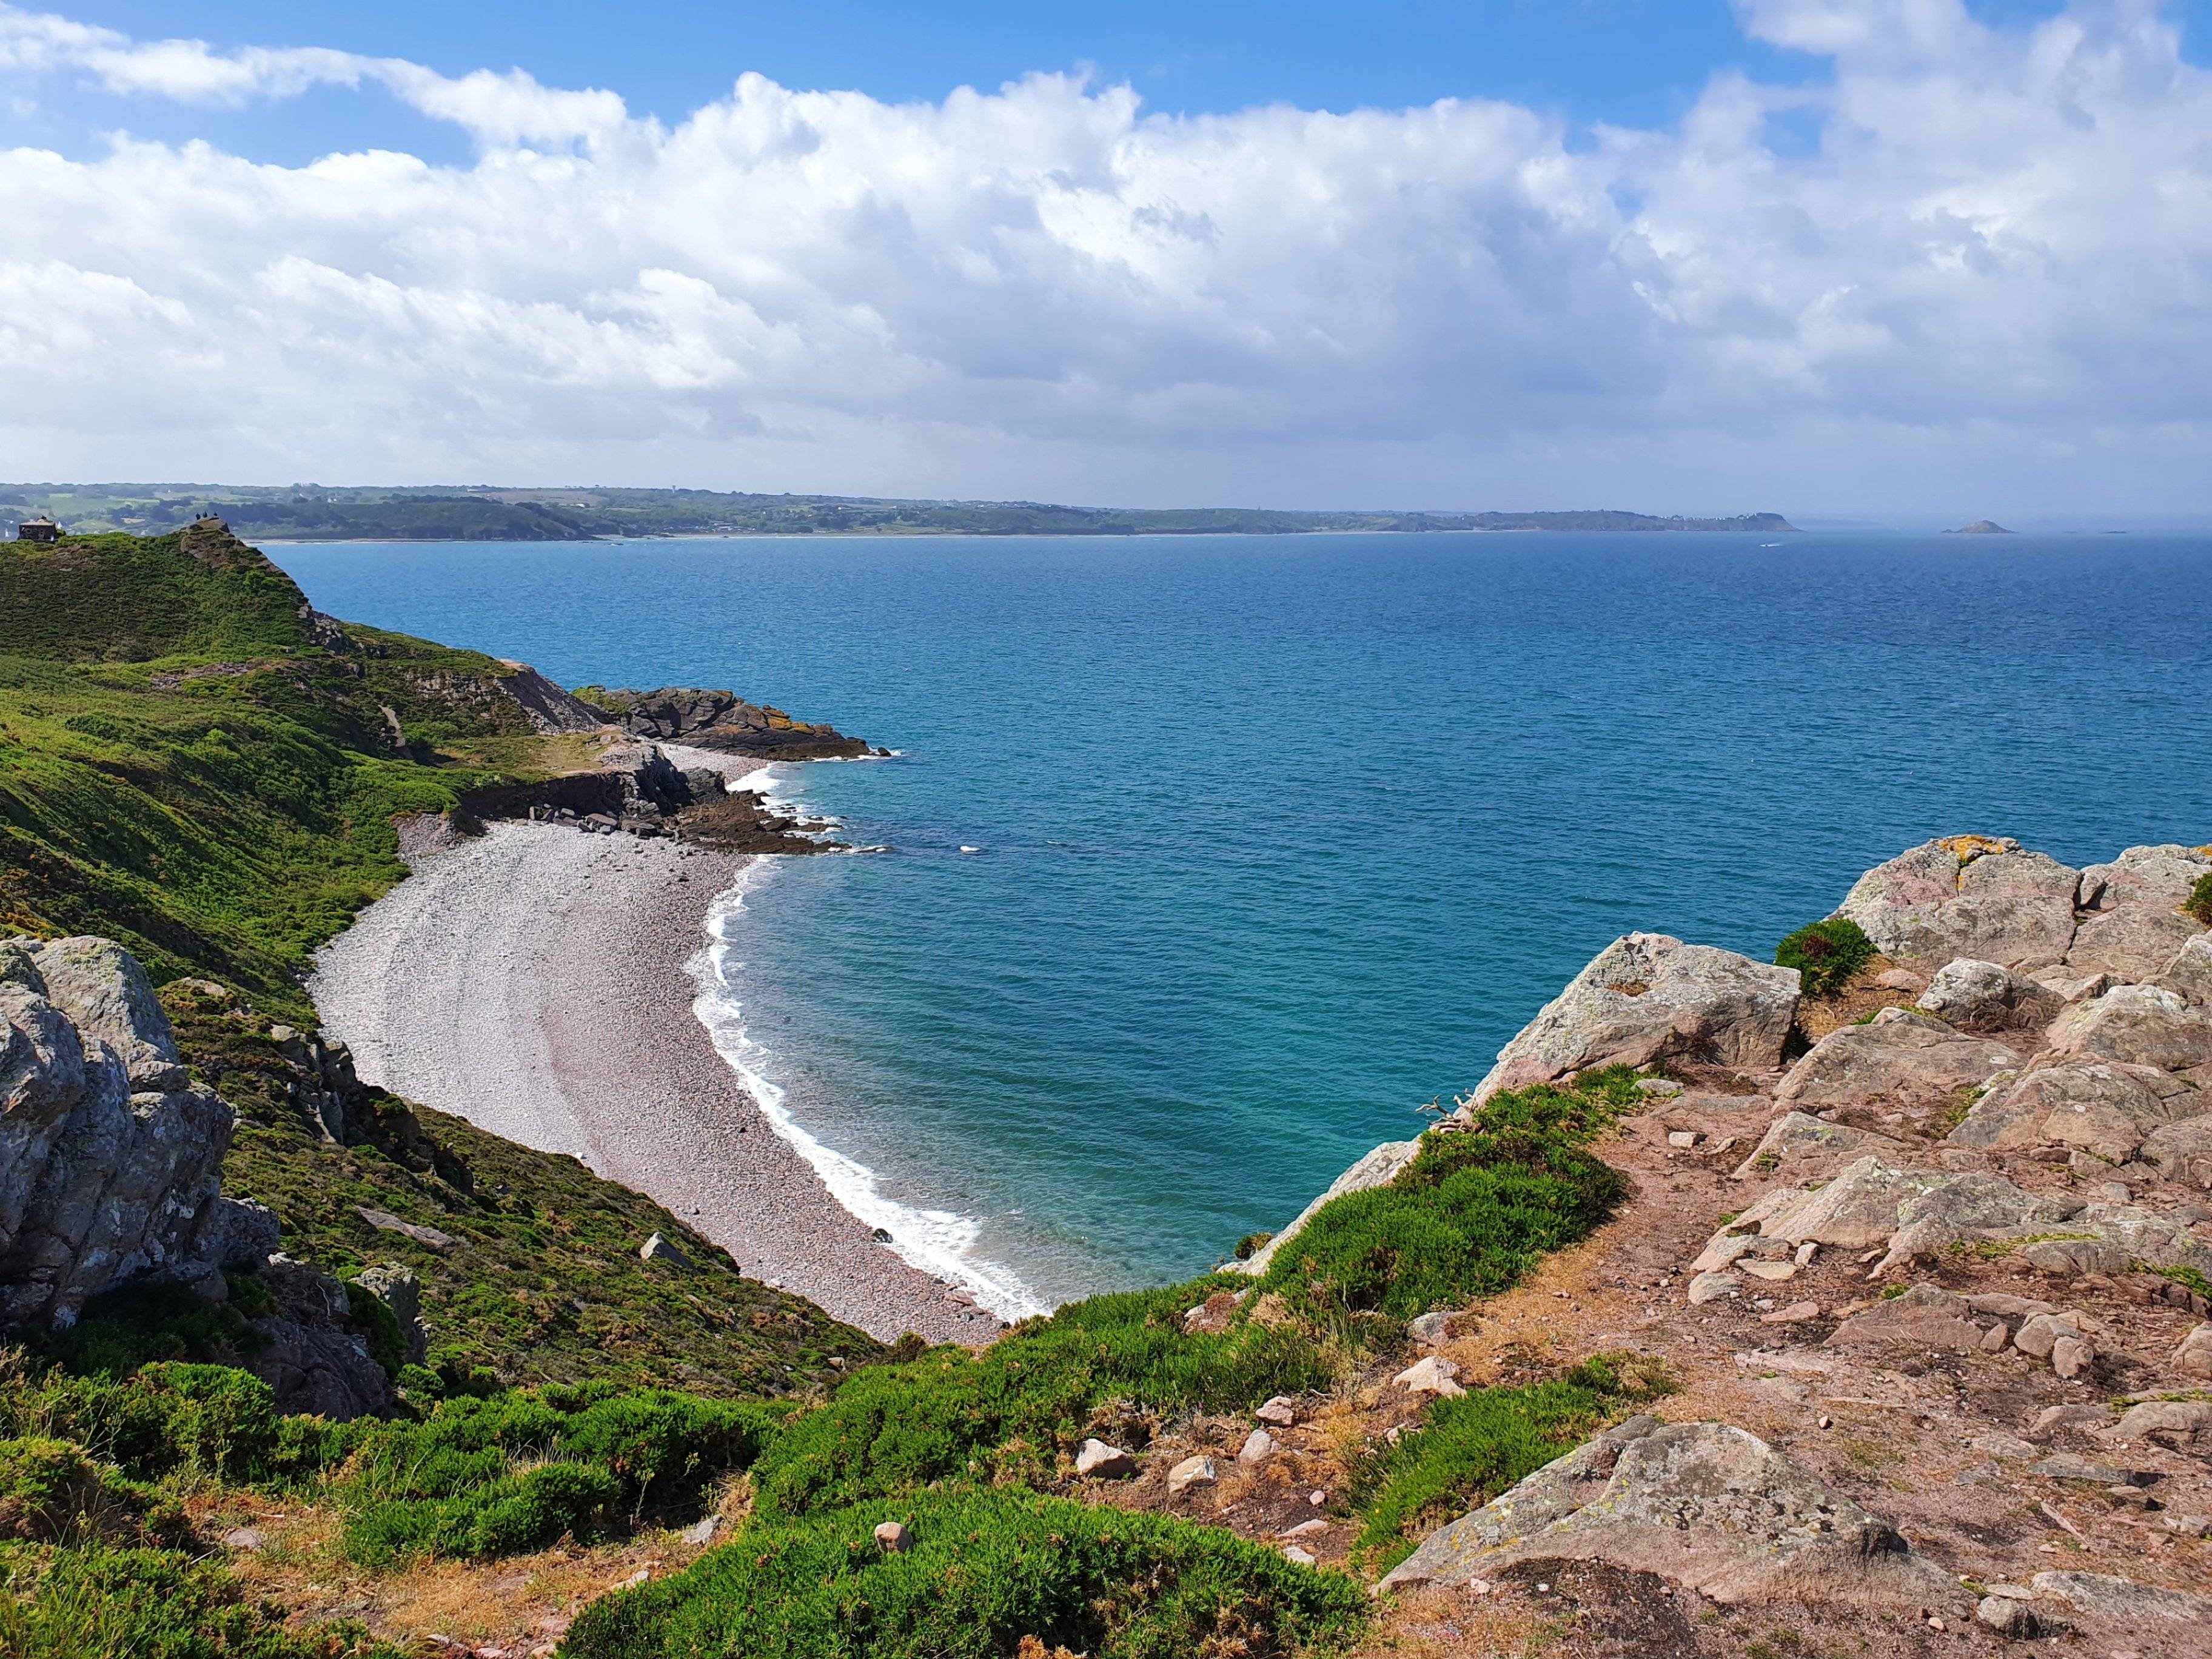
{"points": [[1280, 838]]}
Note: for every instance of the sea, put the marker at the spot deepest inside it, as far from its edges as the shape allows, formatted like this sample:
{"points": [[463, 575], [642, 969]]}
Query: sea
{"points": [[1215, 860]]}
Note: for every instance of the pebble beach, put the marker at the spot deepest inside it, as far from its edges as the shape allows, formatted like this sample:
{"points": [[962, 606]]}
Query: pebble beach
{"points": [[538, 981]]}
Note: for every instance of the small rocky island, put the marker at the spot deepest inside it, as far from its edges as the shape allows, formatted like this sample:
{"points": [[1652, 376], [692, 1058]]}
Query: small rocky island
{"points": [[1980, 527]]}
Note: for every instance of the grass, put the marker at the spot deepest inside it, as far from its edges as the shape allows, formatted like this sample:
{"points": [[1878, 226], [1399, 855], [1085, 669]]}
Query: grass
{"points": [[542, 1283], [990, 1574], [1471, 1447], [1826, 954], [525, 1469], [1017, 1410], [1472, 1212], [187, 766], [103, 1603]]}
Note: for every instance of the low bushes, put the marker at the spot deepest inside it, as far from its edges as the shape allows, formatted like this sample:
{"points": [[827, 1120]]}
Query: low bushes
{"points": [[1475, 1208], [1009, 1411], [1826, 954], [518, 1471], [1475, 1446], [173, 1418], [988, 1570], [98, 1603], [51, 1493]]}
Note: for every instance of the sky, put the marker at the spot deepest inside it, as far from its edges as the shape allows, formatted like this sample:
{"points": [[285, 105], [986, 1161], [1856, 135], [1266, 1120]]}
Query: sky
{"points": [[1847, 257]]}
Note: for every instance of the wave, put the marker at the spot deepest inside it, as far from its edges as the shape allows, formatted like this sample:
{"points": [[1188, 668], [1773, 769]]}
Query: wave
{"points": [[939, 1242]]}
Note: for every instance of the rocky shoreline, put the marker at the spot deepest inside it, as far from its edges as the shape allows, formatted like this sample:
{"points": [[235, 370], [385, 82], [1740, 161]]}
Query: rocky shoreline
{"points": [[1926, 1251], [538, 982]]}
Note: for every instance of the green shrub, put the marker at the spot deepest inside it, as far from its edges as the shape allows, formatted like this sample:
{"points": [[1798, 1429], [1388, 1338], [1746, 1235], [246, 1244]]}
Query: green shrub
{"points": [[1008, 1412], [987, 1570], [174, 1418], [1469, 1215], [518, 1471], [51, 1492], [2198, 907], [1826, 954], [1472, 1448], [97, 1603]]}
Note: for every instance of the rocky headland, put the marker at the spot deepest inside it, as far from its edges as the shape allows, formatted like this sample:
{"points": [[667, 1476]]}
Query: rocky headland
{"points": [[1927, 1255], [722, 721]]}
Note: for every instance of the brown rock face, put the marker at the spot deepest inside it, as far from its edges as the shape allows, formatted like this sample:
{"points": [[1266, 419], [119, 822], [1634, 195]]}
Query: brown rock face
{"points": [[1900, 1055], [723, 721], [1647, 997], [1977, 896]]}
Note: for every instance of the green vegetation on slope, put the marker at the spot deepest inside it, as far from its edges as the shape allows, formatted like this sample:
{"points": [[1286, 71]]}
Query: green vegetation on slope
{"points": [[526, 1467], [2198, 907], [1475, 1208], [187, 766], [539, 1279], [101, 1603], [1475, 1446], [1826, 953], [988, 1569]]}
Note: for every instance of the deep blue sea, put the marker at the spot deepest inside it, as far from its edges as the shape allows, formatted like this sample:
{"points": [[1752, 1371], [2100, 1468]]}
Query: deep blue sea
{"points": [[1280, 838]]}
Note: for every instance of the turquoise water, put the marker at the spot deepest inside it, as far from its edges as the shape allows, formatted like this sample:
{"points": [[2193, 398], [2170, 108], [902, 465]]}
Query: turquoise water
{"points": [[1281, 837]]}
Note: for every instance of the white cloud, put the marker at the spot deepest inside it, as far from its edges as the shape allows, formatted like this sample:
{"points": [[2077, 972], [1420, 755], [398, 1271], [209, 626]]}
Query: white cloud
{"points": [[1988, 273]]}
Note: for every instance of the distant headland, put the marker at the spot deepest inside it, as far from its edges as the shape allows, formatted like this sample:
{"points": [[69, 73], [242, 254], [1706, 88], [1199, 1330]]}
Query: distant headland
{"points": [[483, 512]]}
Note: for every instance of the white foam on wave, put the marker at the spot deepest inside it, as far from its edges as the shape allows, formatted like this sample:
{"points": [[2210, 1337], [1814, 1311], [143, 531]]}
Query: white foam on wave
{"points": [[939, 1242]]}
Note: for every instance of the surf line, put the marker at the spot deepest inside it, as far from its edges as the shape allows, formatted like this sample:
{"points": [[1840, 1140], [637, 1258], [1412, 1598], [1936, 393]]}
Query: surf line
{"points": [[938, 1243]]}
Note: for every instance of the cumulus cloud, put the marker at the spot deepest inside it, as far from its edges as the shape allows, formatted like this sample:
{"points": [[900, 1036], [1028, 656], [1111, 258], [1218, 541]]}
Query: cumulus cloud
{"points": [[1967, 256]]}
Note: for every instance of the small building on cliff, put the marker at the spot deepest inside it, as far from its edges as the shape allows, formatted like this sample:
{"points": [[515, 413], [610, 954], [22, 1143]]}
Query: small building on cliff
{"points": [[40, 529]]}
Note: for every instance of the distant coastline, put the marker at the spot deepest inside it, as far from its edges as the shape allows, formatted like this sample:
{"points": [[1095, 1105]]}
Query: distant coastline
{"points": [[310, 513]]}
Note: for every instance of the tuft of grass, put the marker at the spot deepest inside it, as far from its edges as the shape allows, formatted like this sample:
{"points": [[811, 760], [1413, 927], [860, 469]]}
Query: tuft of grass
{"points": [[173, 1417], [1470, 1214], [2188, 1277], [51, 1493], [2198, 907], [990, 1573], [1826, 954], [1476, 1445]]}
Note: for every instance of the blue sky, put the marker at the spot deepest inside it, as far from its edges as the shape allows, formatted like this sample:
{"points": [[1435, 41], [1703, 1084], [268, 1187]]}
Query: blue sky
{"points": [[1819, 255], [1638, 62]]}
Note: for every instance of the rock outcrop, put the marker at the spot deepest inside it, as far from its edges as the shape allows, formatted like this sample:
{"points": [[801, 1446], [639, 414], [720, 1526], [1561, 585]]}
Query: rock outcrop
{"points": [[1704, 1504], [2137, 1025], [1901, 1056], [1987, 997], [1646, 997], [545, 705], [109, 1158], [1976, 897], [723, 721], [2104, 1108], [307, 1355], [2134, 924]]}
